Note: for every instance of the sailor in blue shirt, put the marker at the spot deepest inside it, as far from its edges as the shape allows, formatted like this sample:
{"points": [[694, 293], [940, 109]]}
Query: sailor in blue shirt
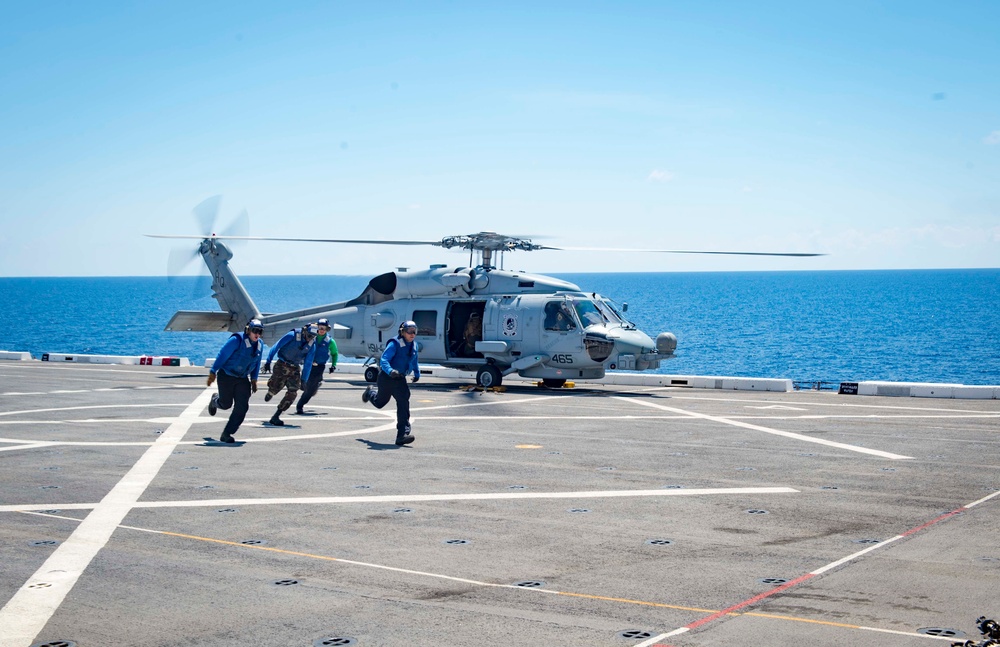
{"points": [[326, 350], [236, 368], [398, 360], [296, 349]]}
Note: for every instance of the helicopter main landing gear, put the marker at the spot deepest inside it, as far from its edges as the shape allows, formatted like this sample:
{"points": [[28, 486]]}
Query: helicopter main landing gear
{"points": [[371, 373], [488, 376], [553, 382]]}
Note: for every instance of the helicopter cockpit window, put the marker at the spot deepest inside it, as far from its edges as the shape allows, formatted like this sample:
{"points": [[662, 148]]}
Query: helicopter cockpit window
{"points": [[426, 321], [589, 314], [558, 316], [613, 312]]}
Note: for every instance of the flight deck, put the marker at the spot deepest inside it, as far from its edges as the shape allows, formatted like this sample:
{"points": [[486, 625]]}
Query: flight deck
{"points": [[618, 515]]}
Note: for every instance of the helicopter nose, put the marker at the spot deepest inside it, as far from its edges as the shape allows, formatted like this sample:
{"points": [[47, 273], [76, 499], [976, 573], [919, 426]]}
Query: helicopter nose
{"points": [[631, 341]]}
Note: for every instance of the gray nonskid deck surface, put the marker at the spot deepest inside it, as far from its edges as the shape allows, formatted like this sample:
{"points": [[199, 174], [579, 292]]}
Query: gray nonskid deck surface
{"points": [[600, 515]]}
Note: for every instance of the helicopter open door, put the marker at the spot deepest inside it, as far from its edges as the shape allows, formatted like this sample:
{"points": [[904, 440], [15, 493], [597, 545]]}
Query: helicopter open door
{"points": [[465, 328]]}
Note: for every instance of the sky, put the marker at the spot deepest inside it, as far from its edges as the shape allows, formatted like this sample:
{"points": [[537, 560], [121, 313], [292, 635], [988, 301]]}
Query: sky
{"points": [[869, 132]]}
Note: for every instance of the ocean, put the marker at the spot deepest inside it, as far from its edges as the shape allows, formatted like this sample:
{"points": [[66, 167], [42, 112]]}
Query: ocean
{"points": [[810, 327]]}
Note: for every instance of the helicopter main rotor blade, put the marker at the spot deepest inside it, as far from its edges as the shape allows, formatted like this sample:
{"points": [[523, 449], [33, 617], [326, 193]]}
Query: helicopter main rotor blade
{"points": [[492, 242], [302, 240], [334, 240], [680, 251]]}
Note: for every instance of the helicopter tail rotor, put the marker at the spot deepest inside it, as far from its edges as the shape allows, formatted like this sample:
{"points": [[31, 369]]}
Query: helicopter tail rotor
{"points": [[206, 215]]}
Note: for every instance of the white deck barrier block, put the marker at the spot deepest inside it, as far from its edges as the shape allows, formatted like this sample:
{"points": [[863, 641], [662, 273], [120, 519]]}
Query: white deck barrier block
{"points": [[976, 392], [16, 356], [929, 390], [136, 360]]}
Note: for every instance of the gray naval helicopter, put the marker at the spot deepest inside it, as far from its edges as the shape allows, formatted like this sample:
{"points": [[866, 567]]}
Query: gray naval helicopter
{"points": [[477, 318]]}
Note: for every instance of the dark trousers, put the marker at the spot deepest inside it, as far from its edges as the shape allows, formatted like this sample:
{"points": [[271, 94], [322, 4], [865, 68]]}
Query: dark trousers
{"points": [[311, 386], [234, 392], [399, 389]]}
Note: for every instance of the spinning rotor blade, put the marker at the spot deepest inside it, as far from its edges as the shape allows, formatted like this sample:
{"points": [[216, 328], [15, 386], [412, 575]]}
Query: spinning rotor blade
{"points": [[679, 251], [239, 230], [488, 242], [178, 259], [206, 213]]}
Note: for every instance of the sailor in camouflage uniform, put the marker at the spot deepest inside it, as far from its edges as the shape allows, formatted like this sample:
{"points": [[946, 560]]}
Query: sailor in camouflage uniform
{"points": [[295, 352]]}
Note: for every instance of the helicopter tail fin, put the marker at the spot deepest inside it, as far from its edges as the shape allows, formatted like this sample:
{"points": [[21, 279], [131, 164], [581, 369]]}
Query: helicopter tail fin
{"points": [[227, 290]]}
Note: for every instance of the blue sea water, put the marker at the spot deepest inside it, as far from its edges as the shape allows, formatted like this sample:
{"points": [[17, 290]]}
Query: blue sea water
{"points": [[830, 326]]}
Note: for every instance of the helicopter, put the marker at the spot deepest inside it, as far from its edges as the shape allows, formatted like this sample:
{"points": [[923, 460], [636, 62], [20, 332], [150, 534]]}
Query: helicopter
{"points": [[476, 317]]}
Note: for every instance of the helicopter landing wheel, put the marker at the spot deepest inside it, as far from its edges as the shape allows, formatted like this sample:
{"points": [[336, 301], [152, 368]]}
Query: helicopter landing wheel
{"points": [[371, 374], [488, 376], [553, 382]]}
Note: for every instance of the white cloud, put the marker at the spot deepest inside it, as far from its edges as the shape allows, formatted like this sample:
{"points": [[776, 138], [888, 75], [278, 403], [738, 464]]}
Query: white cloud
{"points": [[660, 176], [993, 138]]}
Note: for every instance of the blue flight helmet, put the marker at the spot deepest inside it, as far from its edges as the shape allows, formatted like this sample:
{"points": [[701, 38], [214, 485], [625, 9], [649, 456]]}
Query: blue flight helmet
{"points": [[310, 331], [406, 325], [254, 325], [324, 322]]}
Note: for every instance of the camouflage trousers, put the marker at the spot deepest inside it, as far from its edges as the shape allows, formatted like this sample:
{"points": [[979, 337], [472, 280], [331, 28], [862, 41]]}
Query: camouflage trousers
{"points": [[284, 375]]}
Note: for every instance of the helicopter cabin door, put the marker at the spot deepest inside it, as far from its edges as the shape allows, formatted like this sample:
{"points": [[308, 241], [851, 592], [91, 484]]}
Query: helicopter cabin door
{"points": [[465, 328]]}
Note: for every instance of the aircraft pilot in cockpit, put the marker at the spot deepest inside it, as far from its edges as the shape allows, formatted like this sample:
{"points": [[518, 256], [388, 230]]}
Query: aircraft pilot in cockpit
{"points": [[558, 316]]}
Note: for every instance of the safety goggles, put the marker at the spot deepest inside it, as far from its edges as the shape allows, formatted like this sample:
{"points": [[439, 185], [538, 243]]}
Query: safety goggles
{"points": [[259, 331]]}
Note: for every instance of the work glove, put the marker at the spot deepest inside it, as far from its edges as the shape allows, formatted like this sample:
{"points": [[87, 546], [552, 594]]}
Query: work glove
{"points": [[396, 375], [253, 386], [267, 368], [333, 368], [415, 379], [210, 380]]}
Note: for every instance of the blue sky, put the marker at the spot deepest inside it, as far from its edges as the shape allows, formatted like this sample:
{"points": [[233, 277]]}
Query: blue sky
{"points": [[867, 131]]}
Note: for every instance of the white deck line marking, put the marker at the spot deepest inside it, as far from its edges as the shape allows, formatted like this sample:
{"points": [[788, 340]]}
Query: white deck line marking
{"points": [[786, 434], [852, 557], [983, 500], [332, 434], [845, 405], [832, 565], [904, 633], [26, 614], [93, 406], [412, 498], [29, 446]]}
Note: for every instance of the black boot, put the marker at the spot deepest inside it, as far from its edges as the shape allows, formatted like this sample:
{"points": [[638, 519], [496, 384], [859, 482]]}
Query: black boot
{"points": [[404, 438], [275, 420]]}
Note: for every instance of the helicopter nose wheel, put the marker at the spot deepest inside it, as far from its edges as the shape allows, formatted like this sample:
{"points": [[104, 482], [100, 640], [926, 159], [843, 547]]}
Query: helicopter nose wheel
{"points": [[488, 376], [371, 374]]}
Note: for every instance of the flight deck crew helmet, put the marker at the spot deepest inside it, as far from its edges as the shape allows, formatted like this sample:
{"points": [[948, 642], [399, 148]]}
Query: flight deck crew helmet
{"points": [[408, 326], [324, 322], [254, 325], [309, 331]]}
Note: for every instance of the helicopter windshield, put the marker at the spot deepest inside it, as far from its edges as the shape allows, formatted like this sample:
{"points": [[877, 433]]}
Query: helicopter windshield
{"points": [[589, 314], [612, 313]]}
